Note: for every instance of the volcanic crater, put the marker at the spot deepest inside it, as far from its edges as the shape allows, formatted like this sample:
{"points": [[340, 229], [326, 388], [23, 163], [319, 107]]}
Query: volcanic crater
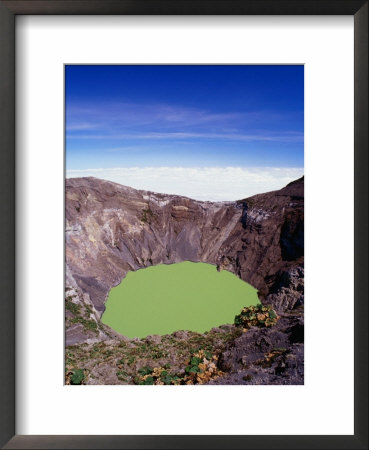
{"points": [[113, 229]]}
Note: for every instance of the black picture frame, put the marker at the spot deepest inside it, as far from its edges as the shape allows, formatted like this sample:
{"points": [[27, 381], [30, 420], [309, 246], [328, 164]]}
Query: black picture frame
{"points": [[8, 12]]}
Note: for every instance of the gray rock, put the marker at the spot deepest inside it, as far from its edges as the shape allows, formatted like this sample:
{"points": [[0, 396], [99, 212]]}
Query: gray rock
{"points": [[153, 339]]}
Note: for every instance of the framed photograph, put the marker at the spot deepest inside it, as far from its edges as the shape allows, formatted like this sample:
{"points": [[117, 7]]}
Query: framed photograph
{"points": [[164, 281], [190, 287]]}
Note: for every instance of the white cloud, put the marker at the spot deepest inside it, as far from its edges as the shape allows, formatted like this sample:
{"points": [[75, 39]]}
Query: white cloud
{"points": [[207, 183], [286, 137]]}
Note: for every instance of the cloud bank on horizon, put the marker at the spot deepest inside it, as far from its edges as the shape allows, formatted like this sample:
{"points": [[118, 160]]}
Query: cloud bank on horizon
{"points": [[208, 183], [219, 132]]}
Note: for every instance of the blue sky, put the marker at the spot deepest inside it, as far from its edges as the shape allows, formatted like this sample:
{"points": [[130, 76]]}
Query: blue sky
{"points": [[126, 117]]}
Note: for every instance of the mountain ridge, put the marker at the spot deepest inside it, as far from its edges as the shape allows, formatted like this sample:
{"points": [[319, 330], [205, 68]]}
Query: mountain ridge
{"points": [[73, 180]]}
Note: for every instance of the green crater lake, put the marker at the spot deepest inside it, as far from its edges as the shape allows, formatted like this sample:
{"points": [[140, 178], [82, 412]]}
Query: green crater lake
{"points": [[170, 297]]}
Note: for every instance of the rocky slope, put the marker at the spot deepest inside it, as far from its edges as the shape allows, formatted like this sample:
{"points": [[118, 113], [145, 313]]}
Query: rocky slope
{"points": [[112, 229]]}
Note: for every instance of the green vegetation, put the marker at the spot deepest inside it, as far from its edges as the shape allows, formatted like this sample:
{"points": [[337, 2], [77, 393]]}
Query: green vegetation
{"points": [[251, 202], [200, 369], [256, 316], [72, 307], [88, 324], [186, 296], [147, 215], [88, 309], [122, 375], [156, 375], [174, 355], [79, 313], [77, 376]]}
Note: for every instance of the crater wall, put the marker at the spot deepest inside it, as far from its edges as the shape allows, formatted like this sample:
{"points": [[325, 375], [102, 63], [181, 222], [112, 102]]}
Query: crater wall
{"points": [[112, 229]]}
